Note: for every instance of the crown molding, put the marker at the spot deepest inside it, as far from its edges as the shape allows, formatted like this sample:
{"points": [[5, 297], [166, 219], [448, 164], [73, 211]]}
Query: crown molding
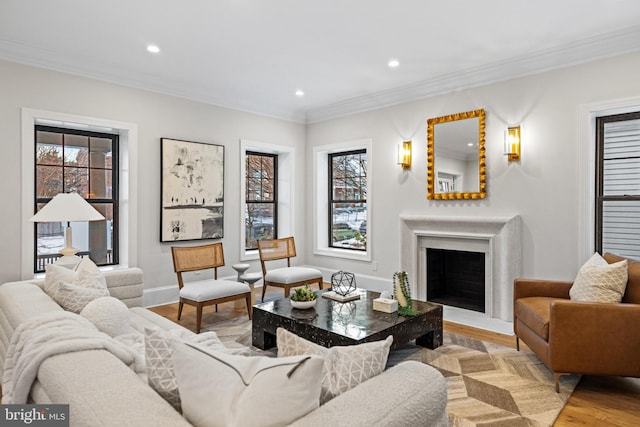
{"points": [[69, 64], [606, 45], [619, 42]]}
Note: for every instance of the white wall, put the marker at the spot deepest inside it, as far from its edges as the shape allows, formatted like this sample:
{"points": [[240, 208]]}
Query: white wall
{"points": [[543, 187], [156, 116]]}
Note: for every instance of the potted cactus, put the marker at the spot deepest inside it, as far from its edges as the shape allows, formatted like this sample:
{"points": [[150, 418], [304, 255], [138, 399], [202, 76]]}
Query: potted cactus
{"points": [[402, 293]]}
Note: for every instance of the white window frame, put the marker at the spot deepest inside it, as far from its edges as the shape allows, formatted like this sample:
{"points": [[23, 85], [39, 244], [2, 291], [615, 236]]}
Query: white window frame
{"points": [[286, 190], [128, 198], [321, 199]]}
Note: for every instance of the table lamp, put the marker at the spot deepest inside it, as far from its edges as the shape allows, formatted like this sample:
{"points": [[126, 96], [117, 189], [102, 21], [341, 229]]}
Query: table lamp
{"points": [[69, 207]]}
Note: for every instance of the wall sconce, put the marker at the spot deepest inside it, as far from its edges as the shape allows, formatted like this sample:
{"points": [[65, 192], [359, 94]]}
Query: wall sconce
{"points": [[404, 155], [512, 143]]}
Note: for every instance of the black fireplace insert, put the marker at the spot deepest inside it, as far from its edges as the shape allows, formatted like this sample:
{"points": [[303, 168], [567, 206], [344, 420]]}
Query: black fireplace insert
{"points": [[456, 278]]}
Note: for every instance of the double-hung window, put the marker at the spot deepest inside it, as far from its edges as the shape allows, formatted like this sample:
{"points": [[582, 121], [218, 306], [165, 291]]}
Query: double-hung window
{"points": [[348, 200], [618, 184], [261, 198], [71, 160]]}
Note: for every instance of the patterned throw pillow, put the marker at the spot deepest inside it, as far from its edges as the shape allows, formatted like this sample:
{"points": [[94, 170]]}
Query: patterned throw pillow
{"points": [[74, 298], [225, 390], [632, 291], [345, 366], [599, 281], [158, 346], [159, 366]]}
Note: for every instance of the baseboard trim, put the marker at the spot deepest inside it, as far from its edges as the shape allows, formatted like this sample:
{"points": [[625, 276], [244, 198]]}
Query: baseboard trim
{"points": [[164, 295], [161, 295]]}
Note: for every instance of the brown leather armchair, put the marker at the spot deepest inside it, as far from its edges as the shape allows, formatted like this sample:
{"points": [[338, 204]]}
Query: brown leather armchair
{"points": [[579, 337]]}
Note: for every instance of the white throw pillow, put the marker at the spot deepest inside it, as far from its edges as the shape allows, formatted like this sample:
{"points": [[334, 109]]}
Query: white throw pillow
{"points": [[109, 315], [219, 389], [89, 275], [55, 275], [599, 281], [345, 366]]}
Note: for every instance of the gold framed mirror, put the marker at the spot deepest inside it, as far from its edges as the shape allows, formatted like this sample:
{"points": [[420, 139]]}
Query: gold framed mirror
{"points": [[456, 164]]}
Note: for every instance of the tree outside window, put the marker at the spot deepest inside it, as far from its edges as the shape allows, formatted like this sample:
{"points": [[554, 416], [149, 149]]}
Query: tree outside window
{"points": [[348, 200], [261, 198], [69, 160]]}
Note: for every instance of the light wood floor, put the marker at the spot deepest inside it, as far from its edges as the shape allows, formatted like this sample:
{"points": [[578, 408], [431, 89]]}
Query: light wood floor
{"points": [[596, 401]]}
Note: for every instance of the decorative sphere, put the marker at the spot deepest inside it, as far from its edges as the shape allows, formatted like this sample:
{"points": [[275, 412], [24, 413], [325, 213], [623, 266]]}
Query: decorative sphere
{"points": [[343, 282]]}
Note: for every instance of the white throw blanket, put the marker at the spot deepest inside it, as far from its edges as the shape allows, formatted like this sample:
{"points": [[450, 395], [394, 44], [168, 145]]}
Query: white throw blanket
{"points": [[49, 334]]}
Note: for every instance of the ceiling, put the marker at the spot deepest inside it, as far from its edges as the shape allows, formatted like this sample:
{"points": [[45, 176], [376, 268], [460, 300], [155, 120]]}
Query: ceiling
{"points": [[253, 55]]}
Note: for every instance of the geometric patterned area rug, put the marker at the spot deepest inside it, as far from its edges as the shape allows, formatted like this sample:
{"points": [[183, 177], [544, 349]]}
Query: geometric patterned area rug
{"points": [[493, 385], [238, 330], [489, 384]]}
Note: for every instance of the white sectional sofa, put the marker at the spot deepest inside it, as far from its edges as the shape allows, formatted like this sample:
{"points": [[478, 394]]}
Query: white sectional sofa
{"points": [[103, 391]]}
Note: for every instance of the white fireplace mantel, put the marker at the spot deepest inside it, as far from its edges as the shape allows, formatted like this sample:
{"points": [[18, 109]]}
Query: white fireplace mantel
{"points": [[498, 237]]}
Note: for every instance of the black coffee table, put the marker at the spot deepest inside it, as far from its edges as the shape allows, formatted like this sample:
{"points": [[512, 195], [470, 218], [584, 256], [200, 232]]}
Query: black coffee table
{"points": [[332, 323]]}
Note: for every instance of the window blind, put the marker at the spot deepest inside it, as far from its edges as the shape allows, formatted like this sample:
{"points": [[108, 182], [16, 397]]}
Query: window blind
{"points": [[621, 188]]}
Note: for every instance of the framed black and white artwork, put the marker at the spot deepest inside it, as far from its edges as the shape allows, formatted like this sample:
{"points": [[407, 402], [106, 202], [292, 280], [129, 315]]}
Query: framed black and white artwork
{"points": [[192, 191]]}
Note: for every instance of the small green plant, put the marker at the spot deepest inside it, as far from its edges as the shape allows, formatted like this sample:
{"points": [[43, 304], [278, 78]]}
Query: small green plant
{"points": [[303, 294]]}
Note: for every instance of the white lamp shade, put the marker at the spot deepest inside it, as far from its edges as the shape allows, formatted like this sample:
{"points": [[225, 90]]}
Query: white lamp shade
{"points": [[69, 207]]}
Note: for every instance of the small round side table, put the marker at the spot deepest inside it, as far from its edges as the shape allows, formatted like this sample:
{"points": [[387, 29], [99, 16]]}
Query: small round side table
{"points": [[240, 268], [251, 279]]}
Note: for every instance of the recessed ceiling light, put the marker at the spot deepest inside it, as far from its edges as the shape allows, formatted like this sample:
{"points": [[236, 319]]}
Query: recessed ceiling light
{"points": [[394, 63], [153, 48], [299, 93]]}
